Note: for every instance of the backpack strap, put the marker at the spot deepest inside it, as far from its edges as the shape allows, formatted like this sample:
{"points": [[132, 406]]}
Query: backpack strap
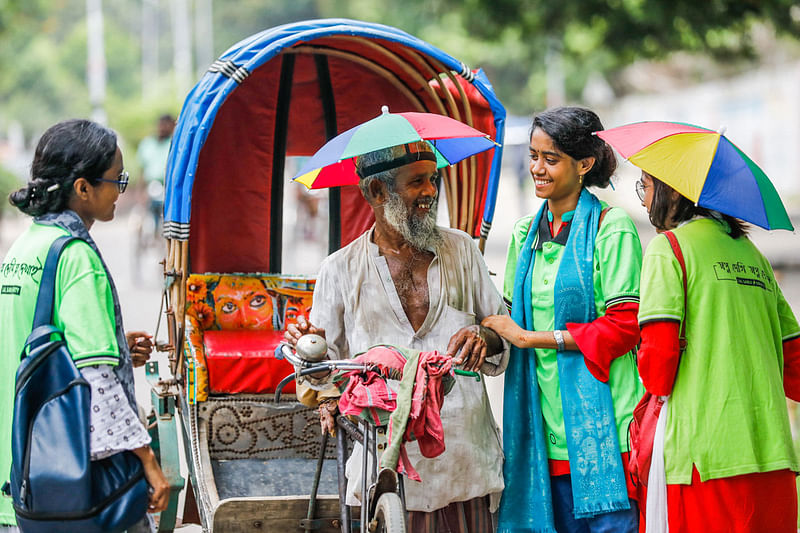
{"points": [[47, 287], [676, 248]]}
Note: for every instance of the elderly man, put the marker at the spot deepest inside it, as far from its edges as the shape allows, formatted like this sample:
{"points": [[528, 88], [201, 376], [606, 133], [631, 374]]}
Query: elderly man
{"points": [[407, 282]]}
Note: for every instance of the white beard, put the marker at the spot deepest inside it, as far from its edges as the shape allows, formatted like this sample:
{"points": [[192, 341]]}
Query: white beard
{"points": [[421, 232]]}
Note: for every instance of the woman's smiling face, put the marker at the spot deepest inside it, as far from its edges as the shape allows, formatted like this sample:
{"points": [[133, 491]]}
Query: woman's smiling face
{"points": [[555, 174]]}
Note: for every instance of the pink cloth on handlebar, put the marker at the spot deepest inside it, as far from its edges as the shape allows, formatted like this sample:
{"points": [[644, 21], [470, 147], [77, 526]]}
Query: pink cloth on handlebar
{"points": [[425, 421], [368, 390], [421, 399], [419, 413]]}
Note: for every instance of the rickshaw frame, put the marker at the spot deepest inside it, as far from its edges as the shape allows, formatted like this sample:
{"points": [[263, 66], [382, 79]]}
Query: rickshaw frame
{"points": [[207, 172], [379, 483]]}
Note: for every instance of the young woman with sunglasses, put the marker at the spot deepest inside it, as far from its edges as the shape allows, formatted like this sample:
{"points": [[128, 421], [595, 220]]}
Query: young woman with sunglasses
{"points": [[77, 176]]}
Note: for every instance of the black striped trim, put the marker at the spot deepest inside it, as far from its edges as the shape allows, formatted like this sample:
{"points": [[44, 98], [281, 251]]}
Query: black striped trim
{"points": [[508, 303], [407, 158], [466, 73], [229, 69], [658, 319], [178, 231], [791, 337], [485, 227], [622, 299]]}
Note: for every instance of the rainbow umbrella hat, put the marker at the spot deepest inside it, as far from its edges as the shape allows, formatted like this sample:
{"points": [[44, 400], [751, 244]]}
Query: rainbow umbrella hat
{"points": [[704, 166], [334, 163]]}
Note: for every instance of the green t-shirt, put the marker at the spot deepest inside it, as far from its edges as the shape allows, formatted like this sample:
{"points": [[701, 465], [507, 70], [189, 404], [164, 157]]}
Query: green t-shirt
{"points": [[617, 264], [84, 311], [727, 411]]}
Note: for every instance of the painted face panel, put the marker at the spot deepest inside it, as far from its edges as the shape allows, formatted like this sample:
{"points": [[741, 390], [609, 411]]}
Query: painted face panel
{"points": [[242, 303], [295, 308]]}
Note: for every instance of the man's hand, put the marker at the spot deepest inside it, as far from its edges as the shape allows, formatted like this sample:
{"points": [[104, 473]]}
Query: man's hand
{"points": [[295, 331], [140, 345], [327, 415], [472, 345]]}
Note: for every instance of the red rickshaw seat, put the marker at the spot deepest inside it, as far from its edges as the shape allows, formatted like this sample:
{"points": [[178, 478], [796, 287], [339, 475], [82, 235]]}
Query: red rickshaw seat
{"points": [[244, 360], [233, 324]]}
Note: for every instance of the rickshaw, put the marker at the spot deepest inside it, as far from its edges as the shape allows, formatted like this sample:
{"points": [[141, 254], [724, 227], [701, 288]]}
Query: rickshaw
{"points": [[279, 94]]}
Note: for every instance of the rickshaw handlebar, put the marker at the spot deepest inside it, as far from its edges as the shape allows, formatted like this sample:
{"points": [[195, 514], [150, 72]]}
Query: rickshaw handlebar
{"points": [[305, 368]]}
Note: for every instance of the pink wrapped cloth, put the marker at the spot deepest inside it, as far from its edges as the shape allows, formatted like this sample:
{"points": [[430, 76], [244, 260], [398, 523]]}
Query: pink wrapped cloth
{"points": [[368, 390], [415, 408], [425, 423]]}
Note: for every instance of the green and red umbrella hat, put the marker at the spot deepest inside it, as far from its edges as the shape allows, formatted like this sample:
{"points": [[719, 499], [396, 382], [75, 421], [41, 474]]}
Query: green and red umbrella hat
{"points": [[334, 164], [704, 166]]}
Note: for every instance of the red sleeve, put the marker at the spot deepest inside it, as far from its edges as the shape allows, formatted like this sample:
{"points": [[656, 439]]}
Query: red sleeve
{"points": [[791, 368], [607, 337], [659, 355]]}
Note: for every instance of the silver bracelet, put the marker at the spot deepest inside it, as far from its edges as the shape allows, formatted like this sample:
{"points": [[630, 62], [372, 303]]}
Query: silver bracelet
{"points": [[559, 337]]}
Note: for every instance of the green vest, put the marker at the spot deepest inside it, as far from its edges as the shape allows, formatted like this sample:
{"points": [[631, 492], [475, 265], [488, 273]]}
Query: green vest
{"points": [[727, 412]]}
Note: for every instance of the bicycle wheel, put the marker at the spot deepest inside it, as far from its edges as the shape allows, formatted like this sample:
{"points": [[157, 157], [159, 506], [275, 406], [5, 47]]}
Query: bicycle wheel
{"points": [[390, 517]]}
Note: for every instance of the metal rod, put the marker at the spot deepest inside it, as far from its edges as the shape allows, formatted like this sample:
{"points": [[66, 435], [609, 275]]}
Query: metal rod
{"points": [[402, 488], [364, 486], [341, 461], [351, 429], [285, 381], [312, 500], [332, 365], [373, 430]]}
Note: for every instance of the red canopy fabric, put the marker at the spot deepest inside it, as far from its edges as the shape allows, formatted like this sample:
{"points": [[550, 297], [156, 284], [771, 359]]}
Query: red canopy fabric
{"points": [[231, 200]]}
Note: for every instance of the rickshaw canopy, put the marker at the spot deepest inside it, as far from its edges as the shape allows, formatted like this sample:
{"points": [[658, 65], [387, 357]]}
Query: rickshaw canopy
{"points": [[285, 92]]}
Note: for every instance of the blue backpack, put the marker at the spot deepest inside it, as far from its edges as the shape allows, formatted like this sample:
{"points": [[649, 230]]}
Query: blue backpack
{"points": [[54, 485]]}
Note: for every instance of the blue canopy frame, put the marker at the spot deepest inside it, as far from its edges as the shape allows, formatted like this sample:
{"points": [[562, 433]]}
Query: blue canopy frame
{"points": [[205, 99]]}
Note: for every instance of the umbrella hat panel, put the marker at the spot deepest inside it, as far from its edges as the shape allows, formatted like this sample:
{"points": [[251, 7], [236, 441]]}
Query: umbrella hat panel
{"points": [[631, 138], [739, 186], [704, 166], [692, 153], [285, 92], [451, 142]]}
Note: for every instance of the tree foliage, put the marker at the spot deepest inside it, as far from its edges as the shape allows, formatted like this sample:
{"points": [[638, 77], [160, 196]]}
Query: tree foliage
{"points": [[603, 36], [43, 52]]}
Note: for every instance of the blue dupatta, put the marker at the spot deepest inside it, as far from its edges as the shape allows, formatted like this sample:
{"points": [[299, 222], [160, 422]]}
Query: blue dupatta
{"points": [[598, 479]]}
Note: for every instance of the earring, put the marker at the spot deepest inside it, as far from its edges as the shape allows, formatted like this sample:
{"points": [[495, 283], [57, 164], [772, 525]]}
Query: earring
{"points": [[580, 179]]}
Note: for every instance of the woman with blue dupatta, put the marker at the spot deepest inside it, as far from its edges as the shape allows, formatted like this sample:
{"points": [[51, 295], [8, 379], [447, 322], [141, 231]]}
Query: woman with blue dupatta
{"points": [[572, 283]]}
